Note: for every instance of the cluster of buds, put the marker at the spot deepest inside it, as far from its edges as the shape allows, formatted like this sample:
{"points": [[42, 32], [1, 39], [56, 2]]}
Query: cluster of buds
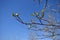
{"points": [[15, 14], [35, 13]]}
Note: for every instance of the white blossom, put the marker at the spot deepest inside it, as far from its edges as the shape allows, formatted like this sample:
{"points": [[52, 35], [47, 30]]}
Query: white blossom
{"points": [[17, 14]]}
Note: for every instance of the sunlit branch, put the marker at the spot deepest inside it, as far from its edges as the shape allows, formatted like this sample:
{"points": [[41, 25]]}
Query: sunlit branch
{"points": [[20, 20]]}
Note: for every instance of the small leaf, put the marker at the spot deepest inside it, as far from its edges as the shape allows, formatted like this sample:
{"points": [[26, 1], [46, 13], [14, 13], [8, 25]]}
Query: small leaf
{"points": [[33, 14], [36, 13], [43, 11], [13, 14]]}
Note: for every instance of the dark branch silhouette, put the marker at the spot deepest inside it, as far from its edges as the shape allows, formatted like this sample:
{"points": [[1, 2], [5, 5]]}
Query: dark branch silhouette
{"points": [[51, 26]]}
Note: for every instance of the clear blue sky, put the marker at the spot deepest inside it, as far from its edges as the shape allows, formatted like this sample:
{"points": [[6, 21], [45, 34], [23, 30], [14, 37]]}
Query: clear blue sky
{"points": [[11, 29]]}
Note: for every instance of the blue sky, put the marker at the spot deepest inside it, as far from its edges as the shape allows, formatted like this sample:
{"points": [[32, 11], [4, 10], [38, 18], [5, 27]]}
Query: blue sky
{"points": [[11, 29]]}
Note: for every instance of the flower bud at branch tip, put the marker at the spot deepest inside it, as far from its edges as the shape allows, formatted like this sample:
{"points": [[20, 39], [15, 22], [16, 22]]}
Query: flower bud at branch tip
{"points": [[17, 14]]}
